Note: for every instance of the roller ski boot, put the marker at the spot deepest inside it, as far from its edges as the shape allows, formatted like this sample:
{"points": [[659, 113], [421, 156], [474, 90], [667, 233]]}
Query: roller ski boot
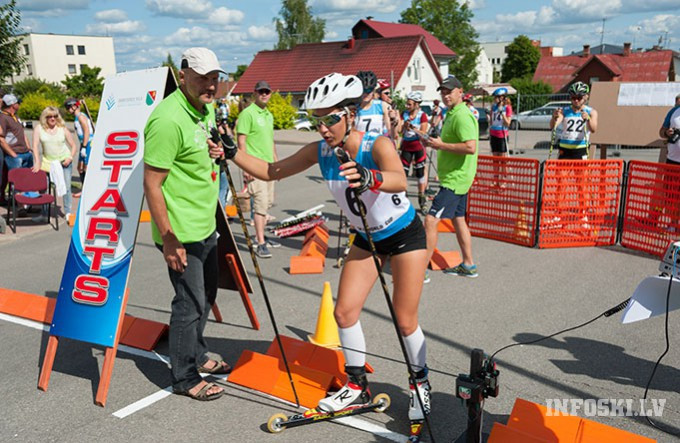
{"points": [[422, 202], [415, 411], [354, 398]]}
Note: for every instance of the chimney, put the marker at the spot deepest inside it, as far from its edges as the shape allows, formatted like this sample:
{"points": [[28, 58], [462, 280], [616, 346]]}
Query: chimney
{"points": [[626, 49], [350, 43], [586, 50]]}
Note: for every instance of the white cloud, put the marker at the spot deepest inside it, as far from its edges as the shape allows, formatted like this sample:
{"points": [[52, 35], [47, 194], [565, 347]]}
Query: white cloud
{"points": [[46, 5], [180, 8], [127, 27], [224, 16], [476, 4], [111, 16], [659, 23], [586, 9], [260, 33], [383, 6]]}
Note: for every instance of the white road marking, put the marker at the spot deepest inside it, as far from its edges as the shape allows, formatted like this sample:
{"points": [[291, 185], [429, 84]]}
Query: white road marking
{"points": [[353, 422]]}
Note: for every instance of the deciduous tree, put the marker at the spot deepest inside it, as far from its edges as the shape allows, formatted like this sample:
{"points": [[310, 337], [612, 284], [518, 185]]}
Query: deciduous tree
{"points": [[297, 25], [11, 59], [449, 21], [522, 59]]}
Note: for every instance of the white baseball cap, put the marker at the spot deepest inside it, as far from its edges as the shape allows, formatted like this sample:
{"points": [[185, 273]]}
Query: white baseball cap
{"points": [[201, 60], [10, 99]]}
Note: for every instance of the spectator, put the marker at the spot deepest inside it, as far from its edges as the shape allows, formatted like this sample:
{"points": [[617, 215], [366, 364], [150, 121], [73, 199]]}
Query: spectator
{"points": [[255, 135], [224, 129], [467, 98], [85, 132], [437, 119], [13, 139], [385, 95], [457, 161], [670, 130], [55, 139], [180, 180]]}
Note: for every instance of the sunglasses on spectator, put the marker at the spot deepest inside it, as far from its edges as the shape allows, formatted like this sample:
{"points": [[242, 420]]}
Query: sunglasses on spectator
{"points": [[326, 120], [51, 116], [264, 91]]}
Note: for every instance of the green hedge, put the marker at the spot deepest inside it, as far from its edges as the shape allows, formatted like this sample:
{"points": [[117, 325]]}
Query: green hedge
{"points": [[33, 105], [282, 110]]}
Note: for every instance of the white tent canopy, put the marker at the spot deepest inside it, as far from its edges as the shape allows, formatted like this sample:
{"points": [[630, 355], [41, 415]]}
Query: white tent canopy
{"points": [[487, 89]]}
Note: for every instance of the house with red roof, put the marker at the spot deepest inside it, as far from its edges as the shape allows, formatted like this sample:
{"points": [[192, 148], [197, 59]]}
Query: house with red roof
{"points": [[406, 62], [655, 65]]}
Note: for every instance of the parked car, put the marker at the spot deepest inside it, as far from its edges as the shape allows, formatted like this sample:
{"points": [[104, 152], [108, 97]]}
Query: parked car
{"points": [[302, 123], [538, 118], [483, 123]]}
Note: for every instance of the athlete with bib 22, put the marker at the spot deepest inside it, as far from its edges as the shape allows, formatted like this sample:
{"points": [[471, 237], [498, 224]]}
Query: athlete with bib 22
{"points": [[396, 229], [577, 122]]}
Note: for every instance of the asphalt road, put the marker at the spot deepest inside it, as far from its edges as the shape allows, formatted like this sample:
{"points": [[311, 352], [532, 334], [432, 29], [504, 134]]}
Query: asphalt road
{"points": [[521, 293]]}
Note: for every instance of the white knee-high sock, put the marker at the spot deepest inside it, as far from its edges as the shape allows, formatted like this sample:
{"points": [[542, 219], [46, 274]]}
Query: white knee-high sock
{"points": [[353, 337], [416, 349]]}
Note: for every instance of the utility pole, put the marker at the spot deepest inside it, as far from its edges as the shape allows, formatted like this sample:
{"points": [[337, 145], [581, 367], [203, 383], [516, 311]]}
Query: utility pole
{"points": [[602, 36]]}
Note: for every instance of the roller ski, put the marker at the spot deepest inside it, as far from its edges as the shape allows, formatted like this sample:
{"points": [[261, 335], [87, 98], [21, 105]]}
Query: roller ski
{"points": [[354, 398], [415, 412]]}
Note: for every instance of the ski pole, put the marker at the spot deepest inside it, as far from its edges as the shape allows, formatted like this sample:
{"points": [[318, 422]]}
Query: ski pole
{"points": [[217, 138], [344, 157]]}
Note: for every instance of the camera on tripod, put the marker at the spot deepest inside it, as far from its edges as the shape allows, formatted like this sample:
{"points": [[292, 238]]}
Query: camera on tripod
{"points": [[675, 136]]}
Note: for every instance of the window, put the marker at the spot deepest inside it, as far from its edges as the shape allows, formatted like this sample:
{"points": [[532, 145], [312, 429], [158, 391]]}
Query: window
{"points": [[81, 68], [364, 33], [29, 69], [69, 49], [72, 69], [416, 70], [26, 51], [81, 50]]}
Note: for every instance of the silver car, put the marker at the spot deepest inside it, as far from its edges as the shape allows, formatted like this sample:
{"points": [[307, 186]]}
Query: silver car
{"points": [[538, 118]]}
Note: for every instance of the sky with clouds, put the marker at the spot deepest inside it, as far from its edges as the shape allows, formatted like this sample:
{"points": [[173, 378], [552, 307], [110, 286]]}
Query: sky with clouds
{"points": [[146, 31]]}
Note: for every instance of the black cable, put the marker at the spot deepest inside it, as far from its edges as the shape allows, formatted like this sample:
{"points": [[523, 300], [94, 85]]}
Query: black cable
{"points": [[668, 346], [607, 313]]}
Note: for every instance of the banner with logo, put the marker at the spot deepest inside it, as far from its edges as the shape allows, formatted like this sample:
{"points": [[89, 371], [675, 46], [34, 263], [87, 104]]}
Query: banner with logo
{"points": [[97, 266]]}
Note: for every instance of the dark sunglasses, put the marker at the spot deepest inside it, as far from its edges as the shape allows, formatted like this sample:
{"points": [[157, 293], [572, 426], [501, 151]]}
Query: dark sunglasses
{"points": [[387, 93], [264, 91], [326, 120], [576, 97]]}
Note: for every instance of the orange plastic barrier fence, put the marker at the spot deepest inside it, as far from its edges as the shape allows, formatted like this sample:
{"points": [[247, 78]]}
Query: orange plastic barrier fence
{"points": [[503, 199], [651, 218], [580, 203]]}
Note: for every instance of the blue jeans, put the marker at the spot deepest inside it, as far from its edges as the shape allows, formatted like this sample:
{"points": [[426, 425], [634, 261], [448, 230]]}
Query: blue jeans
{"points": [[24, 160], [195, 293]]}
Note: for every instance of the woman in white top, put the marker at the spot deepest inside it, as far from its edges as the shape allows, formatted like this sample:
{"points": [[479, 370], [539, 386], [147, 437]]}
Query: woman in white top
{"points": [[55, 139]]}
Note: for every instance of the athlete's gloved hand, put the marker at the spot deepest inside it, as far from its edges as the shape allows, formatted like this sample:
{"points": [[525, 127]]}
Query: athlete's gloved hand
{"points": [[368, 178], [228, 144]]}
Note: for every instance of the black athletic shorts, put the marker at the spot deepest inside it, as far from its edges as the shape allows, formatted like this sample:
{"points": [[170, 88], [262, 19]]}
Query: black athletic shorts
{"points": [[671, 162], [418, 157], [411, 238], [573, 154], [498, 144]]}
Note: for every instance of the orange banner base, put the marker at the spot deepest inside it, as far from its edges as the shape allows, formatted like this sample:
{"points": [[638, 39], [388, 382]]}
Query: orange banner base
{"points": [[136, 332], [315, 370], [533, 423], [444, 259]]}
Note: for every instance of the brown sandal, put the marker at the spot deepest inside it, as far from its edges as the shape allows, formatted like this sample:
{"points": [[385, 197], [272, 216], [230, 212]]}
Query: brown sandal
{"points": [[202, 394], [221, 367]]}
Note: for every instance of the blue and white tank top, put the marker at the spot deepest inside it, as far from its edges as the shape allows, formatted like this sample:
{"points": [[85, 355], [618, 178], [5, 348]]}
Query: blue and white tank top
{"points": [[410, 135], [386, 213], [574, 129], [79, 128], [371, 119]]}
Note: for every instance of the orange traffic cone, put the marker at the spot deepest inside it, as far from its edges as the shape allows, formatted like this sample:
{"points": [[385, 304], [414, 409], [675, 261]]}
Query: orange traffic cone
{"points": [[326, 334]]}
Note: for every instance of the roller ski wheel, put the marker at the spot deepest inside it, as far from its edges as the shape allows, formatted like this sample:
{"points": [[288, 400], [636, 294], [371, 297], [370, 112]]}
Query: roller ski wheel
{"points": [[415, 431], [274, 424], [279, 422], [340, 262]]}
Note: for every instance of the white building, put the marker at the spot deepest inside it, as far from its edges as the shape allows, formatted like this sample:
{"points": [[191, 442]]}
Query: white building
{"points": [[52, 57], [484, 68], [495, 51]]}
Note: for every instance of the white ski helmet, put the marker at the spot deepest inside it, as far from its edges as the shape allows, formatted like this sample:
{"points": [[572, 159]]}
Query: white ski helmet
{"points": [[416, 96], [333, 90]]}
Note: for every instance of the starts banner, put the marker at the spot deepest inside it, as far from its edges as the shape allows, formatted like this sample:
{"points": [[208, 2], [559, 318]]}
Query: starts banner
{"points": [[97, 266]]}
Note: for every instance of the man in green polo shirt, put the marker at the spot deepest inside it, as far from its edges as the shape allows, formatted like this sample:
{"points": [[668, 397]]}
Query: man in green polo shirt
{"points": [[457, 166], [181, 185], [255, 135]]}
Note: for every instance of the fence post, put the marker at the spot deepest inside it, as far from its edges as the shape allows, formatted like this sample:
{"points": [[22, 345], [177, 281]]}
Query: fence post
{"points": [[539, 202], [624, 200], [517, 112]]}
